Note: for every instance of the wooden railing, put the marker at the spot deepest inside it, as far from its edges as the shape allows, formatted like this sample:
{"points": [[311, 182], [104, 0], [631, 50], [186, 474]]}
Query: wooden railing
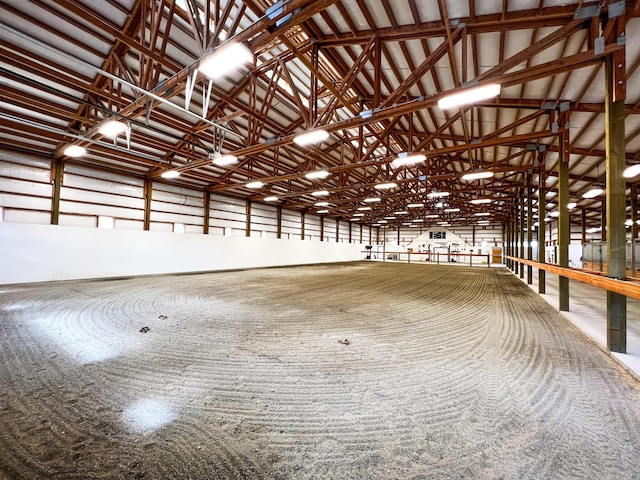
{"points": [[623, 287], [435, 257]]}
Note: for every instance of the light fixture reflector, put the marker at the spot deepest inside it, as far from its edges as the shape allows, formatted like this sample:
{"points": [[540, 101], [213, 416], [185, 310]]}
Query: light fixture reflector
{"points": [[225, 160], [469, 95], [594, 192], [385, 186], [372, 199], [320, 193], [113, 128], [406, 159], [255, 185], [632, 171], [272, 198], [476, 176], [311, 137], [225, 60], [170, 174], [317, 175], [415, 205], [480, 201], [75, 151]]}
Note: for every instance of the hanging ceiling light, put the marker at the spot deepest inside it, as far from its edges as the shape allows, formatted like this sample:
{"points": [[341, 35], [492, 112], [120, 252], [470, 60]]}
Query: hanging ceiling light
{"points": [[372, 199], [479, 201], [322, 204], [113, 128], [224, 60], [632, 171], [311, 137], [364, 209], [385, 186], [415, 205], [75, 151], [320, 193], [476, 175], [451, 210], [170, 174], [255, 185], [322, 211], [594, 192], [406, 159], [317, 175], [469, 95], [571, 205], [272, 198], [224, 160], [437, 194]]}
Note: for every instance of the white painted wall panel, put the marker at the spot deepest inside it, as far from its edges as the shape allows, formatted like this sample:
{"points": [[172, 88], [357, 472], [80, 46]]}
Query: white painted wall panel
{"points": [[23, 187], [22, 216], [78, 220], [176, 218], [108, 177], [37, 174], [127, 224], [73, 253], [107, 210], [13, 201], [100, 185], [92, 197]]}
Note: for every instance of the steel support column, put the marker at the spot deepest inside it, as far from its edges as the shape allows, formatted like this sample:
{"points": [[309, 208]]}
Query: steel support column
{"points": [[616, 212]]}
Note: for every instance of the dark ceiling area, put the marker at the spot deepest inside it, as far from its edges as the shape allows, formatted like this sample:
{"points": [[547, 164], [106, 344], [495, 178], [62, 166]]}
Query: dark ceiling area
{"points": [[370, 73]]}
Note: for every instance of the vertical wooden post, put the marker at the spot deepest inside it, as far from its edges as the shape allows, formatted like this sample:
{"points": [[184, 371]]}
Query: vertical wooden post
{"points": [[529, 229], [584, 226], [279, 221], [522, 225], [57, 170], [616, 203], [542, 212], [148, 194], [321, 228], [563, 218], [337, 230], [634, 227], [302, 222], [206, 203], [247, 228]]}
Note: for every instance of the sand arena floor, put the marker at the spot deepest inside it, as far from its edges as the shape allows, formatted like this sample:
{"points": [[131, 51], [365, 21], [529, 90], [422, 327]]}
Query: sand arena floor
{"points": [[449, 373]]}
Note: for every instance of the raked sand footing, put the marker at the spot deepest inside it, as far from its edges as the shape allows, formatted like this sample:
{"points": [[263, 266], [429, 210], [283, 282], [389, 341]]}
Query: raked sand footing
{"points": [[447, 373]]}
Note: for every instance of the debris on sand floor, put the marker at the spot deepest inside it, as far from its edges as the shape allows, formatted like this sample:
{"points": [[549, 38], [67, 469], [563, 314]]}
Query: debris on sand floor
{"points": [[163, 317], [144, 329], [344, 341]]}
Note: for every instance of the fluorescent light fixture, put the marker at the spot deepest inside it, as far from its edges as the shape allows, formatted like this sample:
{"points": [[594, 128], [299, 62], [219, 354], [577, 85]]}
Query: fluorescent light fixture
{"points": [[358, 214], [467, 177], [273, 198], [406, 224], [320, 193], [75, 151], [469, 95], [382, 221], [594, 192], [571, 205], [364, 209], [437, 194], [415, 205], [385, 186], [451, 210], [406, 159], [317, 175], [482, 214], [322, 211], [311, 137], [632, 171], [256, 184], [554, 214], [443, 223], [419, 220], [225, 160], [432, 216], [479, 201], [354, 219], [113, 128], [225, 60], [321, 204], [372, 199], [593, 230], [401, 213], [170, 174], [389, 218]]}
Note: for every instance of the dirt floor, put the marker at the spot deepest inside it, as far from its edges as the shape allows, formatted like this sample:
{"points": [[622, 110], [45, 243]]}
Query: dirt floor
{"points": [[447, 373]]}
